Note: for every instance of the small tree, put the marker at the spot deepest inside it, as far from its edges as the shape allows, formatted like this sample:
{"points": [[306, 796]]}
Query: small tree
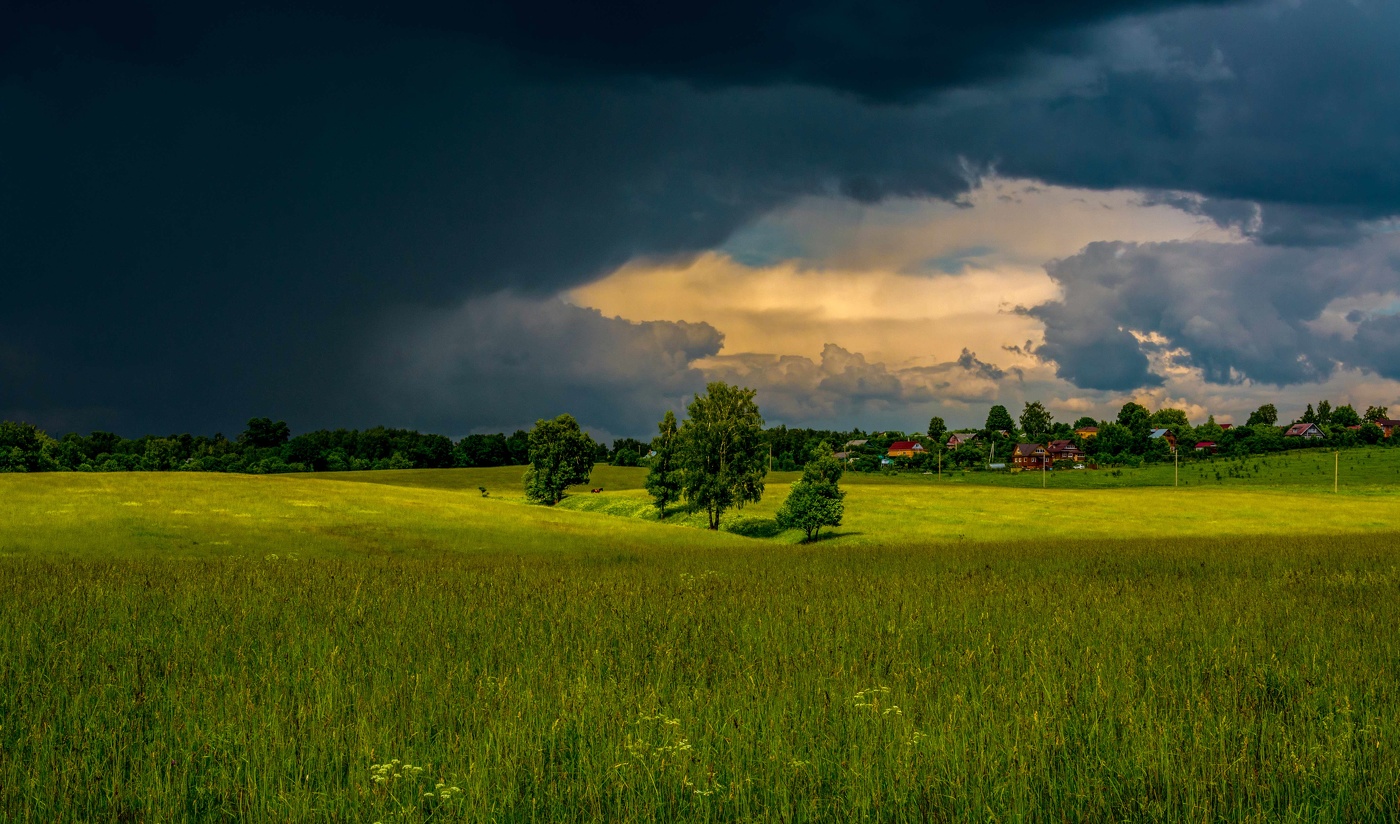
{"points": [[664, 479], [816, 500], [561, 455], [721, 450]]}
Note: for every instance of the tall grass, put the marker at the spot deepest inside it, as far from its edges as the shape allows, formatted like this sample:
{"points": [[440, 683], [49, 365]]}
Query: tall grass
{"points": [[1236, 679]]}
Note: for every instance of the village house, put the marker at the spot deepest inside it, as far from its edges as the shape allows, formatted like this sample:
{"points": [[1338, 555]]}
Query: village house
{"points": [[1164, 433], [1387, 425], [1086, 432], [1207, 447], [1064, 451], [905, 449], [1029, 456], [958, 439], [1304, 430]]}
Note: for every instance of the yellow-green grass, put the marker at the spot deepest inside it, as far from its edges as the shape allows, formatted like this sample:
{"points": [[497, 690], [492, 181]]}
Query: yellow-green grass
{"points": [[204, 647]]}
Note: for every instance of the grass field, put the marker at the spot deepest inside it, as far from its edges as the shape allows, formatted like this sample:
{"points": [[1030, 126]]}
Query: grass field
{"points": [[209, 648]]}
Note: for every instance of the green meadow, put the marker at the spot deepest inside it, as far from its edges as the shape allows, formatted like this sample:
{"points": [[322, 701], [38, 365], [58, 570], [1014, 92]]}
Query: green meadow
{"points": [[395, 646]]}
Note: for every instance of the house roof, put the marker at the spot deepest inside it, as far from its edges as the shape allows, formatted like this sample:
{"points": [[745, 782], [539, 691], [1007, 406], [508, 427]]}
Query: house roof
{"points": [[1300, 429], [857, 443], [906, 445], [1063, 446], [1026, 450], [1204, 444], [1087, 429], [1227, 426], [1160, 433], [962, 437]]}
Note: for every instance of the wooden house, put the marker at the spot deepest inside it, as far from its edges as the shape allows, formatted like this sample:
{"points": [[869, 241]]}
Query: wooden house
{"points": [[1207, 447], [1086, 432], [1064, 451], [1166, 434], [1304, 430], [958, 439], [1030, 456]]}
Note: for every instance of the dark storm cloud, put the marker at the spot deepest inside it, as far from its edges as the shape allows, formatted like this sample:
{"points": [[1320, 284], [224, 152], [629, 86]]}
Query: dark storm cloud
{"points": [[203, 211], [503, 361], [889, 50], [1234, 311]]}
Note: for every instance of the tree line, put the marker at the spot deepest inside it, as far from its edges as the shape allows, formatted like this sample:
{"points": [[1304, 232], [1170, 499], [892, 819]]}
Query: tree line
{"points": [[269, 447]]}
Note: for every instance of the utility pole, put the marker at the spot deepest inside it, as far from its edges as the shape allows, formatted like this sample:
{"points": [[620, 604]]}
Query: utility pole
{"points": [[1176, 467], [1042, 469], [1336, 469]]}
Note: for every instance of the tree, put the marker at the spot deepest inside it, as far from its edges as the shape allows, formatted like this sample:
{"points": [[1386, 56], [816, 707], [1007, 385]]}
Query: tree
{"points": [[263, 433], [1210, 430], [1266, 415], [937, 430], [1134, 415], [1324, 412], [1085, 421], [721, 450], [1036, 421], [1173, 419], [1376, 413], [664, 478], [1370, 433], [561, 455], [1345, 416], [998, 419], [1309, 416], [815, 500]]}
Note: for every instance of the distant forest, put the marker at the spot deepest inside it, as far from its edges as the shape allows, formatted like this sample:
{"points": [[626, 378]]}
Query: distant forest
{"points": [[269, 447]]}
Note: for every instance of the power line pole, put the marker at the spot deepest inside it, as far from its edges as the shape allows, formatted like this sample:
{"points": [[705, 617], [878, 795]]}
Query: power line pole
{"points": [[1336, 469], [1176, 467]]}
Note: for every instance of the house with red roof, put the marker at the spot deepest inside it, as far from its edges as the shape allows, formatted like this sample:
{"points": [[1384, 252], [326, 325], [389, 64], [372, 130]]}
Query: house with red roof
{"points": [[1304, 430], [905, 449]]}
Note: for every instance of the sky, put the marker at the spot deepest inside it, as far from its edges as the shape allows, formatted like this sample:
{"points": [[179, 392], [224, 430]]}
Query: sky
{"points": [[462, 219]]}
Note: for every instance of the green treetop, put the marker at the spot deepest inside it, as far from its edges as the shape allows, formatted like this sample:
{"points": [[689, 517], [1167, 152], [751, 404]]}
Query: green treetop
{"points": [[816, 499], [721, 451], [664, 478], [561, 455]]}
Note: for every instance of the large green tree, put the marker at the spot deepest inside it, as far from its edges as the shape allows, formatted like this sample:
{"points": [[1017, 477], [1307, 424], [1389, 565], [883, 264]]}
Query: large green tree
{"points": [[937, 430], [561, 455], [816, 500], [1376, 413], [998, 419], [664, 478], [1345, 416], [722, 454], [1266, 415], [1036, 421]]}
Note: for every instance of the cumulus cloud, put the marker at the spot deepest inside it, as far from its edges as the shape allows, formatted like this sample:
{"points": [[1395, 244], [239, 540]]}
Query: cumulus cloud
{"points": [[841, 388], [1233, 311]]}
